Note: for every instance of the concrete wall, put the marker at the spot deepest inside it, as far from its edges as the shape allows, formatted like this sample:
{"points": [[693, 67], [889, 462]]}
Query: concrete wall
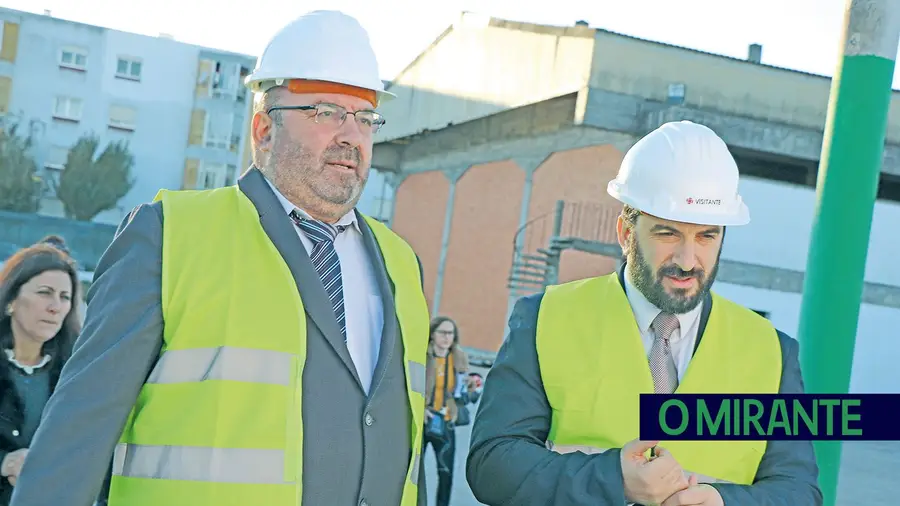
{"points": [[779, 231], [644, 68], [874, 367], [480, 67], [377, 197]]}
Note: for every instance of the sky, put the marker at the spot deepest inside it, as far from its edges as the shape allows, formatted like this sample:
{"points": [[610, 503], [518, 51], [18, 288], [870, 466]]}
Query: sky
{"points": [[797, 34]]}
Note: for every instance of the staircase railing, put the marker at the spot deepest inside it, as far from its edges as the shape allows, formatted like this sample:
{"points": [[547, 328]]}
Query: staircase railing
{"points": [[538, 244], [589, 221]]}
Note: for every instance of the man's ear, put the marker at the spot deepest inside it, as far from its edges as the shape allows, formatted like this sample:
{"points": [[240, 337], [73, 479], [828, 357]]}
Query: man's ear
{"points": [[622, 232], [261, 131]]}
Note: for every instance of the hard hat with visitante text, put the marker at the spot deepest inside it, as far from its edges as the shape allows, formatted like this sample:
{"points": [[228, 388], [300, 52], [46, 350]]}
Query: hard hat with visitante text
{"points": [[322, 45], [682, 171]]}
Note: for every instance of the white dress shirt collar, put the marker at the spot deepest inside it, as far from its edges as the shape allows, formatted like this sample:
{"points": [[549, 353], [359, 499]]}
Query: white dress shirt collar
{"points": [[645, 312], [345, 221]]}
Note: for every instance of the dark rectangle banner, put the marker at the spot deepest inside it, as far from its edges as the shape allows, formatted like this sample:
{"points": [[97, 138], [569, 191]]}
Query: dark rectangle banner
{"points": [[770, 417]]}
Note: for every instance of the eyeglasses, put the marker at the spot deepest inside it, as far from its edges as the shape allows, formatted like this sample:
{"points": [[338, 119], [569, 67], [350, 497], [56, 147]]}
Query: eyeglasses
{"points": [[335, 115]]}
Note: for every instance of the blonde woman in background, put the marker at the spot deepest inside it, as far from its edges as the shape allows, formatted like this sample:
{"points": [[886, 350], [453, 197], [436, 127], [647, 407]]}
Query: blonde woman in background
{"points": [[446, 388]]}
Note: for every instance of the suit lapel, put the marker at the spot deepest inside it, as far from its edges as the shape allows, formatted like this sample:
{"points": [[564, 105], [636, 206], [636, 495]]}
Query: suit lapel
{"points": [[283, 234], [385, 286]]}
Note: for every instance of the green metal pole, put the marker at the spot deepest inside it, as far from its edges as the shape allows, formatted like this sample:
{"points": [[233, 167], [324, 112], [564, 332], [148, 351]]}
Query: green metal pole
{"points": [[850, 165]]}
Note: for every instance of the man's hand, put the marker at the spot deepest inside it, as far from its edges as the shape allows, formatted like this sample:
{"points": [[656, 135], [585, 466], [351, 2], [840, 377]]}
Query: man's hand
{"points": [[695, 495], [12, 463], [650, 481]]}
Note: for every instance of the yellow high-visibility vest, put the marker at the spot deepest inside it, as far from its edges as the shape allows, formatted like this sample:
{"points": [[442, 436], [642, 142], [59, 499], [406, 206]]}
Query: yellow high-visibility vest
{"points": [[233, 357], [594, 367]]}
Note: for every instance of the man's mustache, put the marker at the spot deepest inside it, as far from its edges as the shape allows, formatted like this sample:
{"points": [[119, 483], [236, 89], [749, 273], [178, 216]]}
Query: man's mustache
{"points": [[677, 272], [348, 154]]}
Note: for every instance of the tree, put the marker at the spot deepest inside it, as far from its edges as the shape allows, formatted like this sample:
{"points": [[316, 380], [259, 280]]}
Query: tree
{"points": [[20, 187], [91, 184]]}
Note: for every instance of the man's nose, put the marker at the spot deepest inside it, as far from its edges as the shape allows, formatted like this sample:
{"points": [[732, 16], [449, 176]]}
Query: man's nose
{"points": [[351, 133], [686, 256]]}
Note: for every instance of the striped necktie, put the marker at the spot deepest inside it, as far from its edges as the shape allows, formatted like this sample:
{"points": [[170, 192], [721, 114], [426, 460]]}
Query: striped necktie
{"points": [[325, 259], [662, 364]]}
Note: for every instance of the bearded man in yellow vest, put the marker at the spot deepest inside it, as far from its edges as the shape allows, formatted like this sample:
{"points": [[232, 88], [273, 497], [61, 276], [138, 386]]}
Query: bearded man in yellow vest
{"points": [[257, 344], [559, 416]]}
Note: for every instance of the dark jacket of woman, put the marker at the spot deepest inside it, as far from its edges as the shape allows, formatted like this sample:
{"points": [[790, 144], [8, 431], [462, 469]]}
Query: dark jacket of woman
{"points": [[12, 416]]}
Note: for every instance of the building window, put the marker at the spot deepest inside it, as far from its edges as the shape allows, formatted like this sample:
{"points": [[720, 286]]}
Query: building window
{"points": [[54, 164], [5, 94], [237, 128], [122, 117], [219, 127], [68, 108], [383, 202], [214, 175], [9, 41], [73, 58], [225, 79], [128, 68], [381, 208]]}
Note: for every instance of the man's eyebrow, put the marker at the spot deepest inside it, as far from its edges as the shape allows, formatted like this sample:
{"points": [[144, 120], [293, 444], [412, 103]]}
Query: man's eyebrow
{"points": [[663, 228], [667, 228]]}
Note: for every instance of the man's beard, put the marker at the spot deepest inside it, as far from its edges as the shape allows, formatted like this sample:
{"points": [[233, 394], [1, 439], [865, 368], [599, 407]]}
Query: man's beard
{"points": [[299, 169], [651, 285]]}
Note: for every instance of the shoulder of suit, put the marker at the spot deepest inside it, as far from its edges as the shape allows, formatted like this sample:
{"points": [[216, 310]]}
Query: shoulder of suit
{"points": [[525, 311], [145, 210], [785, 340]]}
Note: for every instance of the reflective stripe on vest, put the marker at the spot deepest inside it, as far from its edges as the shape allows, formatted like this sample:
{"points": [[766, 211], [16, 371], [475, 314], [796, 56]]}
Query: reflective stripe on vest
{"points": [[247, 365], [220, 423], [590, 450], [221, 465], [594, 367], [414, 475]]}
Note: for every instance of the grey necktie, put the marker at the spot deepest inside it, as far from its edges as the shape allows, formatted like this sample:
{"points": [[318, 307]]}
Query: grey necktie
{"points": [[662, 365], [325, 259]]}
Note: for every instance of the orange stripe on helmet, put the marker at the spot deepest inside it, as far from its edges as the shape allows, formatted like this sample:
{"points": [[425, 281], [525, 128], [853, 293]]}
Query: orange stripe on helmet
{"points": [[310, 86]]}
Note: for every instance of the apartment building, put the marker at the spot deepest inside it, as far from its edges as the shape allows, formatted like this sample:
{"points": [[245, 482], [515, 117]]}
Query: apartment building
{"points": [[182, 108]]}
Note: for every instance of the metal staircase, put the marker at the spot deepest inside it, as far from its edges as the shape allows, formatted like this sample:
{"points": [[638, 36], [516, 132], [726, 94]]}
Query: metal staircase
{"points": [[539, 244]]}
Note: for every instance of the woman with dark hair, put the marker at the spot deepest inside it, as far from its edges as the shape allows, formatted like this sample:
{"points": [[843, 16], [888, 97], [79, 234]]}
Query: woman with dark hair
{"points": [[78, 296], [37, 331], [446, 388]]}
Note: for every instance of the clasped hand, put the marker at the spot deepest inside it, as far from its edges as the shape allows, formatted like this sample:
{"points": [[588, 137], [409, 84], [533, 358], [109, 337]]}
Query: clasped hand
{"points": [[661, 480], [12, 465]]}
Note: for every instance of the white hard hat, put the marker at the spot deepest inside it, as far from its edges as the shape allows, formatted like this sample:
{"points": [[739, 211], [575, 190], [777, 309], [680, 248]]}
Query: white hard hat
{"points": [[682, 171], [319, 46]]}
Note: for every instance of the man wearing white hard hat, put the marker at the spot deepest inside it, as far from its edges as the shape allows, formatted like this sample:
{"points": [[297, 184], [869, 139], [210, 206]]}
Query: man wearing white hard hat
{"points": [[262, 343], [559, 416]]}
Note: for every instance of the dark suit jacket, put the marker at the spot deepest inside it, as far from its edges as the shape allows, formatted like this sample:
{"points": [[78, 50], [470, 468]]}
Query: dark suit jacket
{"points": [[346, 459], [508, 464]]}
